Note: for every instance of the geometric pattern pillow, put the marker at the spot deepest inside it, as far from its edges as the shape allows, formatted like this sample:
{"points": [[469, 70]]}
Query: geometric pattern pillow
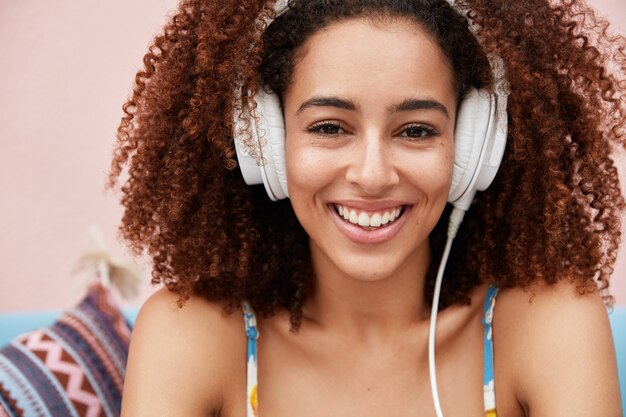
{"points": [[75, 367]]}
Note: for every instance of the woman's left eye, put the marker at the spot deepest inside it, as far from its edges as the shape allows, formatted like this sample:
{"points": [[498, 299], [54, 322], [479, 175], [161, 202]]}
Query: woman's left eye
{"points": [[417, 131]]}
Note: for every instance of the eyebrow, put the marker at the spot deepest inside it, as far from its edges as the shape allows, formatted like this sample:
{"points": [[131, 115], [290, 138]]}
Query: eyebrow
{"points": [[327, 102], [414, 104], [406, 105]]}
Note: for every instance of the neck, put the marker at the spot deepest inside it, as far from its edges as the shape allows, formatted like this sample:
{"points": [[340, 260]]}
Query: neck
{"points": [[368, 309]]}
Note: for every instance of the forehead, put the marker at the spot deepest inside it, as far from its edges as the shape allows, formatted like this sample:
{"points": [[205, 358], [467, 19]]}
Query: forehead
{"points": [[376, 59]]}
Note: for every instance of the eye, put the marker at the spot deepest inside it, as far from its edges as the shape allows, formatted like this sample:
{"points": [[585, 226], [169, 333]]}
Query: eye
{"points": [[418, 131], [326, 128]]}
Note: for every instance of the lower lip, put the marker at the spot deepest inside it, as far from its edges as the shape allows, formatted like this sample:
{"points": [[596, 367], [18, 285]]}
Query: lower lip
{"points": [[360, 235]]}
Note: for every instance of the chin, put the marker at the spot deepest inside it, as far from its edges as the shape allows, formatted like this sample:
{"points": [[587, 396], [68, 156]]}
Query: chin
{"points": [[369, 267], [365, 274]]}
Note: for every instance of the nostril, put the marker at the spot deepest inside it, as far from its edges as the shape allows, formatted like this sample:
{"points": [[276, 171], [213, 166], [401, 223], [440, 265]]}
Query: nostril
{"points": [[373, 180]]}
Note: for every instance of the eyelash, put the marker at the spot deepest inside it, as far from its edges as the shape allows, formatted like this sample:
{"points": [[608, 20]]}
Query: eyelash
{"points": [[427, 132], [319, 127]]}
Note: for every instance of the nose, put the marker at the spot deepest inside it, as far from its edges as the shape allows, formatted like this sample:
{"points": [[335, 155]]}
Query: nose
{"points": [[371, 167]]}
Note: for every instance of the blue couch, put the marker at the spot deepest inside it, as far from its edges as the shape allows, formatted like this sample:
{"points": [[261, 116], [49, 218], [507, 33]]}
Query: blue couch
{"points": [[13, 324]]}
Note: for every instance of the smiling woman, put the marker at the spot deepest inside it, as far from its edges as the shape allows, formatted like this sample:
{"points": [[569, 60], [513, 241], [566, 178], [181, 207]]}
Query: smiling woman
{"points": [[357, 110]]}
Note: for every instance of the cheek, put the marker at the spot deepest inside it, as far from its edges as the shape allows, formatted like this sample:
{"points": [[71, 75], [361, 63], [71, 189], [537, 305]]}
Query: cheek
{"points": [[429, 171], [444, 166], [308, 168], [447, 167], [299, 167]]}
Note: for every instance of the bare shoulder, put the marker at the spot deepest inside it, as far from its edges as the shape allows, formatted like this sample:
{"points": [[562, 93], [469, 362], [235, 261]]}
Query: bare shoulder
{"points": [[558, 349], [181, 359]]}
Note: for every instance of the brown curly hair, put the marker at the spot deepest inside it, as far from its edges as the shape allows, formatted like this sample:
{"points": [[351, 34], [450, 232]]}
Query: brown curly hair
{"points": [[552, 213]]}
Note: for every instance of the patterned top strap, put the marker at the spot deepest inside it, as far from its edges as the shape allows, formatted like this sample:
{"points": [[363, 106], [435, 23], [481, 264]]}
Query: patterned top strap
{"points": [[489, 392], [252, 381]]}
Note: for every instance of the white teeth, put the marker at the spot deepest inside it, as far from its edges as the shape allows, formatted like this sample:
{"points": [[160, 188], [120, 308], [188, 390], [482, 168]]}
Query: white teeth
{"points": [[392, 216], [364, 219]]}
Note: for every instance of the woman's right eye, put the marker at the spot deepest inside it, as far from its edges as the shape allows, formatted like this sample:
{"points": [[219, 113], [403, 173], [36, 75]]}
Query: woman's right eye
{"points": [[326, 128]]}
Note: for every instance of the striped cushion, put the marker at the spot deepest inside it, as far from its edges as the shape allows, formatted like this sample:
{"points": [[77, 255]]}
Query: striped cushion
{"points": [[75, 367]]}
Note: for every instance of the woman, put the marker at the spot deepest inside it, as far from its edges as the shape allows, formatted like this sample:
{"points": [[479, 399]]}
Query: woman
{"points": [[341, 276]]}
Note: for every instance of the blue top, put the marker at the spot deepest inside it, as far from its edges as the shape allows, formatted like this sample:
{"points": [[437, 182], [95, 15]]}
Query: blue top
{"points": [[489, 393]]}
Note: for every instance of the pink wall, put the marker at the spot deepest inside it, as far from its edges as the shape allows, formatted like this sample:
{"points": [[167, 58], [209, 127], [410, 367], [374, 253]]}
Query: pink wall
{"points": [[66, 70]]}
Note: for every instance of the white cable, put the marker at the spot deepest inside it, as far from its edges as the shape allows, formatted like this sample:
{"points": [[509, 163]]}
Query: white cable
{"points": [[456, 217]]}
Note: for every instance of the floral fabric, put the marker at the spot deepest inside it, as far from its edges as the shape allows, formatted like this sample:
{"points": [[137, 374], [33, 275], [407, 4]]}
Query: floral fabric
{"points": [[489, 393], [253, 335]]}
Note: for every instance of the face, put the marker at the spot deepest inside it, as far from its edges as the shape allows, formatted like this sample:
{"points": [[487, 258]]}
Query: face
{"points": [[370, 123]]}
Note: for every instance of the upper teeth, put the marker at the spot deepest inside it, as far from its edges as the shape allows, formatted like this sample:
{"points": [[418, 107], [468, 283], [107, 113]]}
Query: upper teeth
{"points": [[364, 219]]}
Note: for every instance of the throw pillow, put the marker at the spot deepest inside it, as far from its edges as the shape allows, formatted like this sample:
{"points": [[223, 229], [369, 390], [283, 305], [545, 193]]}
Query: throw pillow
{"points": [[75, 367]]}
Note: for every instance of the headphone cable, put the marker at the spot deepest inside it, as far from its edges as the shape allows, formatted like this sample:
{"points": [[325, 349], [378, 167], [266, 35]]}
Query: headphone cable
{"points": [[456, 218]]}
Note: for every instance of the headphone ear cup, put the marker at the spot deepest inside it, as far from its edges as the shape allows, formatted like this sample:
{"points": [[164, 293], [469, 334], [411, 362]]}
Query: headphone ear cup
{"points": [[243, 126], [267, 134], [472, 124], [272, 127]]}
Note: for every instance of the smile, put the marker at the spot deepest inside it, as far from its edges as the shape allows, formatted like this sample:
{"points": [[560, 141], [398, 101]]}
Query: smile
{"points": [[370, 220]]}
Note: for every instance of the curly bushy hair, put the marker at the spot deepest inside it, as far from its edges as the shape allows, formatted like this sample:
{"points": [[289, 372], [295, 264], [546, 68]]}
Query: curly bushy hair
{"points": [[552, 213]]}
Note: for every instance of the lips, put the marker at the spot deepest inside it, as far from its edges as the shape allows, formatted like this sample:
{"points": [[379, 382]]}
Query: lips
{"points": [[364, 223], [370, 219]]}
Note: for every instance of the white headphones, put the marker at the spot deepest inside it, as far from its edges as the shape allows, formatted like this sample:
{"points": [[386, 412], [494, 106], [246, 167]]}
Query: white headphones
{"points": [[480, 139]]}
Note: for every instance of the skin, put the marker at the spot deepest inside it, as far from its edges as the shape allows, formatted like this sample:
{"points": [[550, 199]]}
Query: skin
{"points": [[362, 349]]}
